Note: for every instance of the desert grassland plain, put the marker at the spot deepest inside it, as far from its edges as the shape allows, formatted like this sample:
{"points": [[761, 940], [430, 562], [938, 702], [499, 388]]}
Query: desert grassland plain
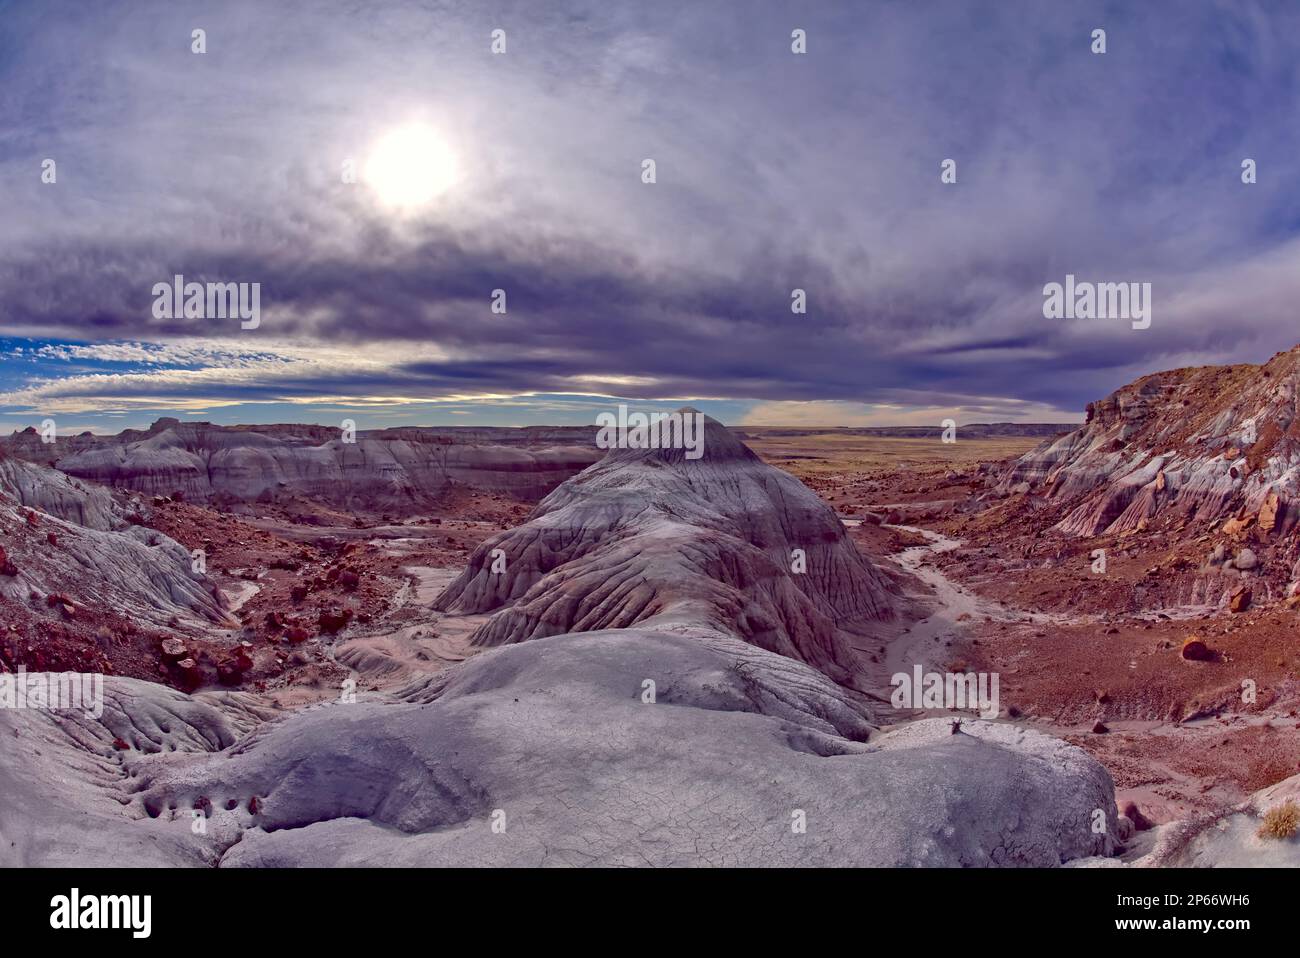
{"points": [[832, 451]]}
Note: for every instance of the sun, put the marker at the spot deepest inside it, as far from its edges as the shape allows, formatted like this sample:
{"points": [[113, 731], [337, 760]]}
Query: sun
{"points": [[410, 166]]}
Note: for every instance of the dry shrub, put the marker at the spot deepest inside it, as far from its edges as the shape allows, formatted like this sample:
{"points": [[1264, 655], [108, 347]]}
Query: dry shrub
{"points": [[1282, 821]]}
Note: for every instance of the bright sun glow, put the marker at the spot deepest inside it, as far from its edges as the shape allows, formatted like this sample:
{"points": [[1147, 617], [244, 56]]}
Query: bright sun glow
{"points": [[410, 166]]}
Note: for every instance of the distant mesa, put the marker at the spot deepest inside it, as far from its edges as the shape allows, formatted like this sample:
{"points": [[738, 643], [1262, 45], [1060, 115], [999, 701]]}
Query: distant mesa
{"points": [[987, 430], [404, 469]]}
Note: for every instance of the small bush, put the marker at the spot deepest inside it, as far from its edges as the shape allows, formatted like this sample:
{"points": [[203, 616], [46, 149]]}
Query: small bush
{"points": [[1281, 822]]}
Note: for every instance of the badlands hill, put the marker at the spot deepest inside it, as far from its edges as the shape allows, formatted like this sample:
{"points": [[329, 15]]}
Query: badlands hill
{"points": [[1197, 446], [649, 535], [663, 712], [68, 548], [384, 469], [1204, 462]]}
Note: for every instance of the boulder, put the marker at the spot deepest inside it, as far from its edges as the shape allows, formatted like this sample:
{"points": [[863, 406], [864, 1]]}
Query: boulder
{"points": [[1134, 814], [1237, 525], [231, 670], [1240, 599], [1268, 513], [334, 619]]}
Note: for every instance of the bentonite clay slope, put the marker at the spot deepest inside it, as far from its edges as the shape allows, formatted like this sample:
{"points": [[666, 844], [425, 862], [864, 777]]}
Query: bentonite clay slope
{"points": [[549, 753], [1231, 838], [1202, 444], [82, 553], [65, 784], [205, 462], [649, 535], [54, 493]]}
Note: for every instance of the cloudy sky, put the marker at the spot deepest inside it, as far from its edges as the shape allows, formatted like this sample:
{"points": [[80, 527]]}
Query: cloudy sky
{"points": [[774, 171]]}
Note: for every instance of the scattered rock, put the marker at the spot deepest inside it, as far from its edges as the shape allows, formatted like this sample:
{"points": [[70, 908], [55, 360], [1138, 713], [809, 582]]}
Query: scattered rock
{"points": [[1134, 814], [333, 620], [1268, 513], [1126, 829], [232, 670], [1236, 526], [1240, 600], [62, 603], [190, 675]]}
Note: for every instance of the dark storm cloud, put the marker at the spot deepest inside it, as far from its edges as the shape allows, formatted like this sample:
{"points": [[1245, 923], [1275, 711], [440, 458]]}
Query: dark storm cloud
{"points": [[776, 172]]}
